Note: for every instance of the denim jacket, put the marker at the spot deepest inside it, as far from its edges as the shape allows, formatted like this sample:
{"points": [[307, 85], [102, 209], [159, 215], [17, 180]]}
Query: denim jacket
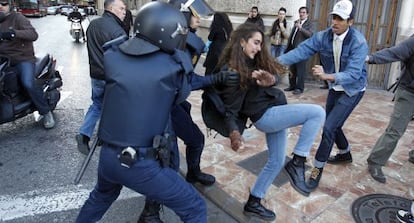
{"points": [[352, 74]]}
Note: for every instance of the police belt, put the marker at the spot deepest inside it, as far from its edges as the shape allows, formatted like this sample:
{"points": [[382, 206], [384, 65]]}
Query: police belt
{"points": [[140, 153]]}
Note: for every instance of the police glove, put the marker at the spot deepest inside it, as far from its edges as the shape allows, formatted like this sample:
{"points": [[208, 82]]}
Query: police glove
{"points": [[228, 78], [9, 35]]}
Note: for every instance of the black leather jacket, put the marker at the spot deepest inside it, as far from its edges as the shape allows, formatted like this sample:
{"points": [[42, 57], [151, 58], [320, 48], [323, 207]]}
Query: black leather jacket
{"points": [[100, 31]]}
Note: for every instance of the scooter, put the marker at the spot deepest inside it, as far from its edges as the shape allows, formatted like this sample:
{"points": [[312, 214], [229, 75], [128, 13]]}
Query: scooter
{"points": [[76, 29], [14, 101]]}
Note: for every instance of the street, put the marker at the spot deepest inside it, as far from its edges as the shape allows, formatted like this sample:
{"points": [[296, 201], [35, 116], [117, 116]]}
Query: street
{"points": [[38, 166]]}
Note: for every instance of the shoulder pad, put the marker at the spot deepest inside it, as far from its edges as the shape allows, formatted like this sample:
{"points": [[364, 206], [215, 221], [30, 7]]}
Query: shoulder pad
{"points": [[182, 58], [115, 42]]}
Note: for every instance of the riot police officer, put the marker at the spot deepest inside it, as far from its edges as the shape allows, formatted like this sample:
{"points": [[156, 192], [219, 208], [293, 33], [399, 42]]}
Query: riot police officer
{"points": [[135, 143], [182, 122]]}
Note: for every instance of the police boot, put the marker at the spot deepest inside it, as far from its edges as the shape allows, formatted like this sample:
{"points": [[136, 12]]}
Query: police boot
{"points": [[151, 213], [195, 175], [253, 207], [295, 169]]}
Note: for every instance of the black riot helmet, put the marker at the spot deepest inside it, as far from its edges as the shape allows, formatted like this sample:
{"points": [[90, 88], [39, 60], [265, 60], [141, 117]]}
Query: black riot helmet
{"points": [[196, 8], [158, 25]]}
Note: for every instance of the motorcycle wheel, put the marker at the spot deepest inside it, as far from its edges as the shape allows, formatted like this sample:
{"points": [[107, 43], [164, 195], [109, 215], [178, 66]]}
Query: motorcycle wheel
{"points": [[77, 37]]}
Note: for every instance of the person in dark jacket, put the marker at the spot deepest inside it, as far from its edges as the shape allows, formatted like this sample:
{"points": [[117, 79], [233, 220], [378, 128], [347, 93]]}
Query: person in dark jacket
{"points": [[16, 42], [301, 31], [220, 30], [128, 21], [100, 31], [143, 93], [403, 106], [265, 105], [255, 18]]}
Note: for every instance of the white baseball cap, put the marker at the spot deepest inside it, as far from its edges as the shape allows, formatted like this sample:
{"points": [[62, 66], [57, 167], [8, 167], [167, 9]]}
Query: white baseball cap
{"points": [[343, 9]]}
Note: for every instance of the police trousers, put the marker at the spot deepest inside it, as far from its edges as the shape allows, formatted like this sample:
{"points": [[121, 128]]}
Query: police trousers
{"points": [[185, 129], [146, 177]]}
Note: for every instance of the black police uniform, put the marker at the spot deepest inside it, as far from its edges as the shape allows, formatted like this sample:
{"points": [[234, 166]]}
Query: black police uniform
{"points": [[138, 98]]}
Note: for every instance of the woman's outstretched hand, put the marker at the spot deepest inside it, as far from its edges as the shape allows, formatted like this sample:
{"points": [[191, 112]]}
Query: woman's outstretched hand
{"points": [[264, 78]]}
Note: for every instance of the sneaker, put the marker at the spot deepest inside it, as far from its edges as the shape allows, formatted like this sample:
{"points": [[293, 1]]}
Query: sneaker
{"points": [[376, 173], [411, 156], [83, 143], [340, 158], [315, 177], [405, 216], [48, 120]]}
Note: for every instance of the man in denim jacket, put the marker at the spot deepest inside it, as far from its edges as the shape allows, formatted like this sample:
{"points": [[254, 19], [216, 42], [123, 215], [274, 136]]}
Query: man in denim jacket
{"points": [[342, 52]]}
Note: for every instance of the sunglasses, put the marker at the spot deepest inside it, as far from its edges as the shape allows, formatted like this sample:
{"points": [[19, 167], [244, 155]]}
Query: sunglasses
{"points": [[4, 3]]}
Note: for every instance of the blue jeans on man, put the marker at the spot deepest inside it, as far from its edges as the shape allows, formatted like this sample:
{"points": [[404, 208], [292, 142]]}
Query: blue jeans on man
{"points": [[26, 77], [94, 112], [146, 177], [277, 50], [338, 108]]}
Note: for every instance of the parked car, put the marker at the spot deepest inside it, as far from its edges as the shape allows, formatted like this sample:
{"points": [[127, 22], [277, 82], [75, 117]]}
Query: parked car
{"points": [[65, 9], [53, 10]]}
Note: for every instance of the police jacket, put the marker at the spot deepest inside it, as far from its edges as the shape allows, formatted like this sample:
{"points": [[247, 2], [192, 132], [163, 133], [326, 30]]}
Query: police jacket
{"points": [[139, 94], [403, 52], [20, 48], [100, 31]]}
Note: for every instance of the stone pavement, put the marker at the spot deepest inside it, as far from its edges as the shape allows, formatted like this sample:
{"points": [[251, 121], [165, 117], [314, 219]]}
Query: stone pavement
{"points": [[340, 185]]}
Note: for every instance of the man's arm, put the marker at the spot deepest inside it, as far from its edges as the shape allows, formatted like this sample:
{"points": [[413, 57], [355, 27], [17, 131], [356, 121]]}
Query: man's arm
{"points": [[24, 29], [399, 52]]}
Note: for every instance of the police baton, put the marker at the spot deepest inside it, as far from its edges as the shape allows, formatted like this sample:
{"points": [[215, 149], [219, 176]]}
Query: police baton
{"points": [[86, 161]]}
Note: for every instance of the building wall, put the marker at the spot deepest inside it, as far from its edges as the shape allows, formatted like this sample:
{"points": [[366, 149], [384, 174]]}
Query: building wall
{"points": [[238, 11]]}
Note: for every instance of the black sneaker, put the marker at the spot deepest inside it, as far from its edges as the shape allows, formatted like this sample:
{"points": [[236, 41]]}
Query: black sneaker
{"points": [[405, 216], [83, 143], [340, 158]]}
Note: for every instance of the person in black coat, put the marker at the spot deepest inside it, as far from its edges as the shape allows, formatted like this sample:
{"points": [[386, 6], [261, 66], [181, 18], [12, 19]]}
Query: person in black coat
{"points": [[220, 31], [128, 21]]}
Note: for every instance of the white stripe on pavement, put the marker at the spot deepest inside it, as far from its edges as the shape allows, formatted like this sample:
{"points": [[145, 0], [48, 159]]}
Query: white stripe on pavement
{"points": [[48, 201]]}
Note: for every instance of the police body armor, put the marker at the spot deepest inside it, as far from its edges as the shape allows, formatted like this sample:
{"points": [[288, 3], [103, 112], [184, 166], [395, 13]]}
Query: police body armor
{"points": [[195, 47], [137, 87]]}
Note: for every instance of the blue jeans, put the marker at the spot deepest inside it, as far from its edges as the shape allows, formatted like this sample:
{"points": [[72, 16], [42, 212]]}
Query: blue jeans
{"points": [[338, 108], [95, 110], [274, 123], [146, 177], [26, 77], [277, 50]]}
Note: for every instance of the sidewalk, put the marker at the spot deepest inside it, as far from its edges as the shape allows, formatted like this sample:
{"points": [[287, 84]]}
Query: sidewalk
{"points": [[339, 186]]}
